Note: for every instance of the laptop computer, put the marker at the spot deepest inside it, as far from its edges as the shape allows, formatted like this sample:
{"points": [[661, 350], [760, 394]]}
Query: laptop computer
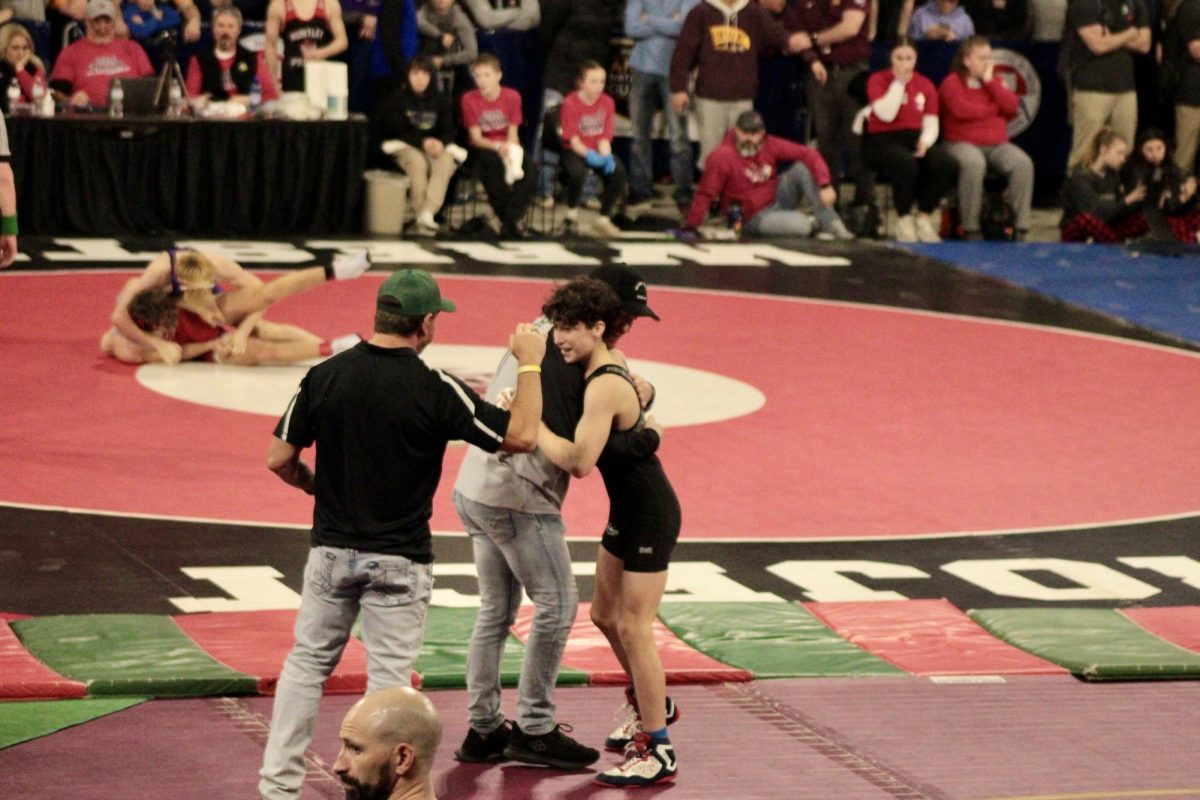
{"points": [[139, 96]]}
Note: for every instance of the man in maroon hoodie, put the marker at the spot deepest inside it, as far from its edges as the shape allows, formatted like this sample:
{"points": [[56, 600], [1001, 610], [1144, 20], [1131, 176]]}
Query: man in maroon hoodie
{"points": [[722, 40], [744, 170]]}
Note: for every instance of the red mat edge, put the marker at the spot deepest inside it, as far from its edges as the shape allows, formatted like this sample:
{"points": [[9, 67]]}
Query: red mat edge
{"points": [[1151, 619], [43, 683]]}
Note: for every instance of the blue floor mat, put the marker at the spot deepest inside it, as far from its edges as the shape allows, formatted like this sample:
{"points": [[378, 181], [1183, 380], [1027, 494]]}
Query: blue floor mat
{"points": [[1155, 291]]}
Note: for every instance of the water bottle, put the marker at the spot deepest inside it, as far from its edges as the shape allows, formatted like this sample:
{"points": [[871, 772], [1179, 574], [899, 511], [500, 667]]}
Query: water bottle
{"points": [[175, 100], [14, 96], [39, 96], [255, 95], [116, 98], [733, 218], [48, 104]]}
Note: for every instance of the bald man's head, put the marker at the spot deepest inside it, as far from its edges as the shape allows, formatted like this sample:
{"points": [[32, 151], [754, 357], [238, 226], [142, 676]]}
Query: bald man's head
{"points": [[389, 737]]}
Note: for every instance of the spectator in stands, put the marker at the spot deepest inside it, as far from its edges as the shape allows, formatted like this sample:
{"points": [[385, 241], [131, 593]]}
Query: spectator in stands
{"points": [[149, 20], [976, 107], [1096, 206], [1100, 39], [1181, 60], [744, 171], [722, 40], [1048, 19], [85, 69], [312, 30], [1000, 19], [25, 10], [415, 126], [18, 60], [833, 40], [572, 32], [889, 20], [525, 15], [940, 21], [227, 70], [361, 17], [1171, 200], [902, 127], [491, 113], [654, 26], [587, 129], [447, 34]]}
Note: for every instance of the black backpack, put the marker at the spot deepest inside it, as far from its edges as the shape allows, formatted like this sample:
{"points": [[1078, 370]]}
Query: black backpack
{"points": [[997, 220]]}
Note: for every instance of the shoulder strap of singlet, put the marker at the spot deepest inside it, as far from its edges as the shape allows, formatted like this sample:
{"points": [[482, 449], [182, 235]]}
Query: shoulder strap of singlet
{"points": [[610, 369]]}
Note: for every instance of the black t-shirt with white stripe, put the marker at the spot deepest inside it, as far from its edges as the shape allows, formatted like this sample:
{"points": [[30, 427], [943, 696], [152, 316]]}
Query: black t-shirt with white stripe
{"points": [[381, 419]]}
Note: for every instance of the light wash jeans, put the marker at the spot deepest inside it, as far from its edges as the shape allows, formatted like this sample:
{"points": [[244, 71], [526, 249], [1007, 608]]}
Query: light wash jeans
{"points": [[781, 217], [514, 549], [648, 93], [393, 595]]}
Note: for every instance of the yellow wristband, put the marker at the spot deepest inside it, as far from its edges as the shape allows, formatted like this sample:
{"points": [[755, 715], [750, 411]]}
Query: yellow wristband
{"points": [[529, 368]]}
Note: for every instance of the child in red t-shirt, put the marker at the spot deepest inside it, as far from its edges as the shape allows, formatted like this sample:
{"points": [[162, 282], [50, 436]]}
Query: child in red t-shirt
{"points": [[586, 118], [491, 113]]}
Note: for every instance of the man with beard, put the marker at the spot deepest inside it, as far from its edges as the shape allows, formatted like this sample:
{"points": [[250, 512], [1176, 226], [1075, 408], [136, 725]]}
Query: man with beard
{"points": [[744, 171], [227, 69], [389, 740]]}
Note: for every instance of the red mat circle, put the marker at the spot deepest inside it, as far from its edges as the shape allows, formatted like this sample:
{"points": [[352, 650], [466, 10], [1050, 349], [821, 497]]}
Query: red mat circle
{"points": [[878, 421]]}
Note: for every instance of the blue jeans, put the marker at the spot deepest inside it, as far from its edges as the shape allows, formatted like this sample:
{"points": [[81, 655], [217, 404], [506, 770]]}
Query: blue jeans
{"points": [[393, 595], [514, 549], [647, 93], [781, 217]]}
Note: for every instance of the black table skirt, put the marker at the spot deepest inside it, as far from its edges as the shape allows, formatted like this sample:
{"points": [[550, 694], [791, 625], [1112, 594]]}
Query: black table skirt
{"points": [[104, 177]]}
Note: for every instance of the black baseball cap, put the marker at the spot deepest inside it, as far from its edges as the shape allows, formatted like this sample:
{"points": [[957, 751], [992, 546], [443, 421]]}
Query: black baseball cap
{"points": [[629, 286]]}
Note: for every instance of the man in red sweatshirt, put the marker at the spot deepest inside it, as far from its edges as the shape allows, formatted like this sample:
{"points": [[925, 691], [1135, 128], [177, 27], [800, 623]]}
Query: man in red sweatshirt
{"points": [[744, 170]]}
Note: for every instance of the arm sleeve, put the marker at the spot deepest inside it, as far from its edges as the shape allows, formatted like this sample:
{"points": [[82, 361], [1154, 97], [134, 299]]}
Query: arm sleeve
{"points": [[465, 31], [568, 120], [489, 18], [686, 50], [1005, 99], [708, 190], [469, 417], [295, 426], [425, 27], [610, 114], [635, 26], [193, 77], [930, 129], [811, 158], [888, 105]]}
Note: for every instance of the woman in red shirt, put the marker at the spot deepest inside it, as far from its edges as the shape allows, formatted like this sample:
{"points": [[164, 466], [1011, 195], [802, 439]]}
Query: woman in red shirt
{"points": [[20, 61], [902, 126], [976, 108], [586, 118]]}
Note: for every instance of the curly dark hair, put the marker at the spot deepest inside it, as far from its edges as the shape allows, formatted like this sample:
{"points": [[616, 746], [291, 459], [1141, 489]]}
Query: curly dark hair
{"points": [[154, 309], [585, 300]]}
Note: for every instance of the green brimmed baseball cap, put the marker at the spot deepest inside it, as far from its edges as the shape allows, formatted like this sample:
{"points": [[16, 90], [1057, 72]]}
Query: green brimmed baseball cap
{"points": [[415, 292]]}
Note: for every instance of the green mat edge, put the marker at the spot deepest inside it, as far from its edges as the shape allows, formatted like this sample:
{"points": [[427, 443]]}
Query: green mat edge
{"points": [[117, 704]]}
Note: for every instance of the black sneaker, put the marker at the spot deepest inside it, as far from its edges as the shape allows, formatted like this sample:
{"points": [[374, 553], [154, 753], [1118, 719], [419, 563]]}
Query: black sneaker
{"points": [[478, 747], [554, 749]]}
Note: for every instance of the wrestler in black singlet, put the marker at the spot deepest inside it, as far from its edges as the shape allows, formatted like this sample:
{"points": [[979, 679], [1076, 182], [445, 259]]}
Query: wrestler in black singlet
{"points": [[643, 511]]}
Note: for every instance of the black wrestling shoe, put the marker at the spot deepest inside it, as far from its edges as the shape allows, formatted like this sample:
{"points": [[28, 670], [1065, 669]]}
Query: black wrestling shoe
{"points": [[479, 747], [554, 749]]}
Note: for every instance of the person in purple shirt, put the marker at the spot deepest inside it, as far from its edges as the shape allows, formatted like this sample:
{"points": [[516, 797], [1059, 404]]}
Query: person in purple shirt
{"points": [[941, 20]]}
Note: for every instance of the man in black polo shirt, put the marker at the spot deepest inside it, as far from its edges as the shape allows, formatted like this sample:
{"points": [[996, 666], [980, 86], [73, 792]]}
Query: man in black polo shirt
{"points": [[381, 420], [1101, 37], [834, 39]]}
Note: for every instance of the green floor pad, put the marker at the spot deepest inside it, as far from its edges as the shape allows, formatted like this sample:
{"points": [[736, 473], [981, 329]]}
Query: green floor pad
{"points": [[772, 640], [25, 720], [443, 660], [1094, 643], [134, 654]]}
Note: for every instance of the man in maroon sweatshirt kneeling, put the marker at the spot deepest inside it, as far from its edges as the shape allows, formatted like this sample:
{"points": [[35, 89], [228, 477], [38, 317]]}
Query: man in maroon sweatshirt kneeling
{"points": [[743, 173]]}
